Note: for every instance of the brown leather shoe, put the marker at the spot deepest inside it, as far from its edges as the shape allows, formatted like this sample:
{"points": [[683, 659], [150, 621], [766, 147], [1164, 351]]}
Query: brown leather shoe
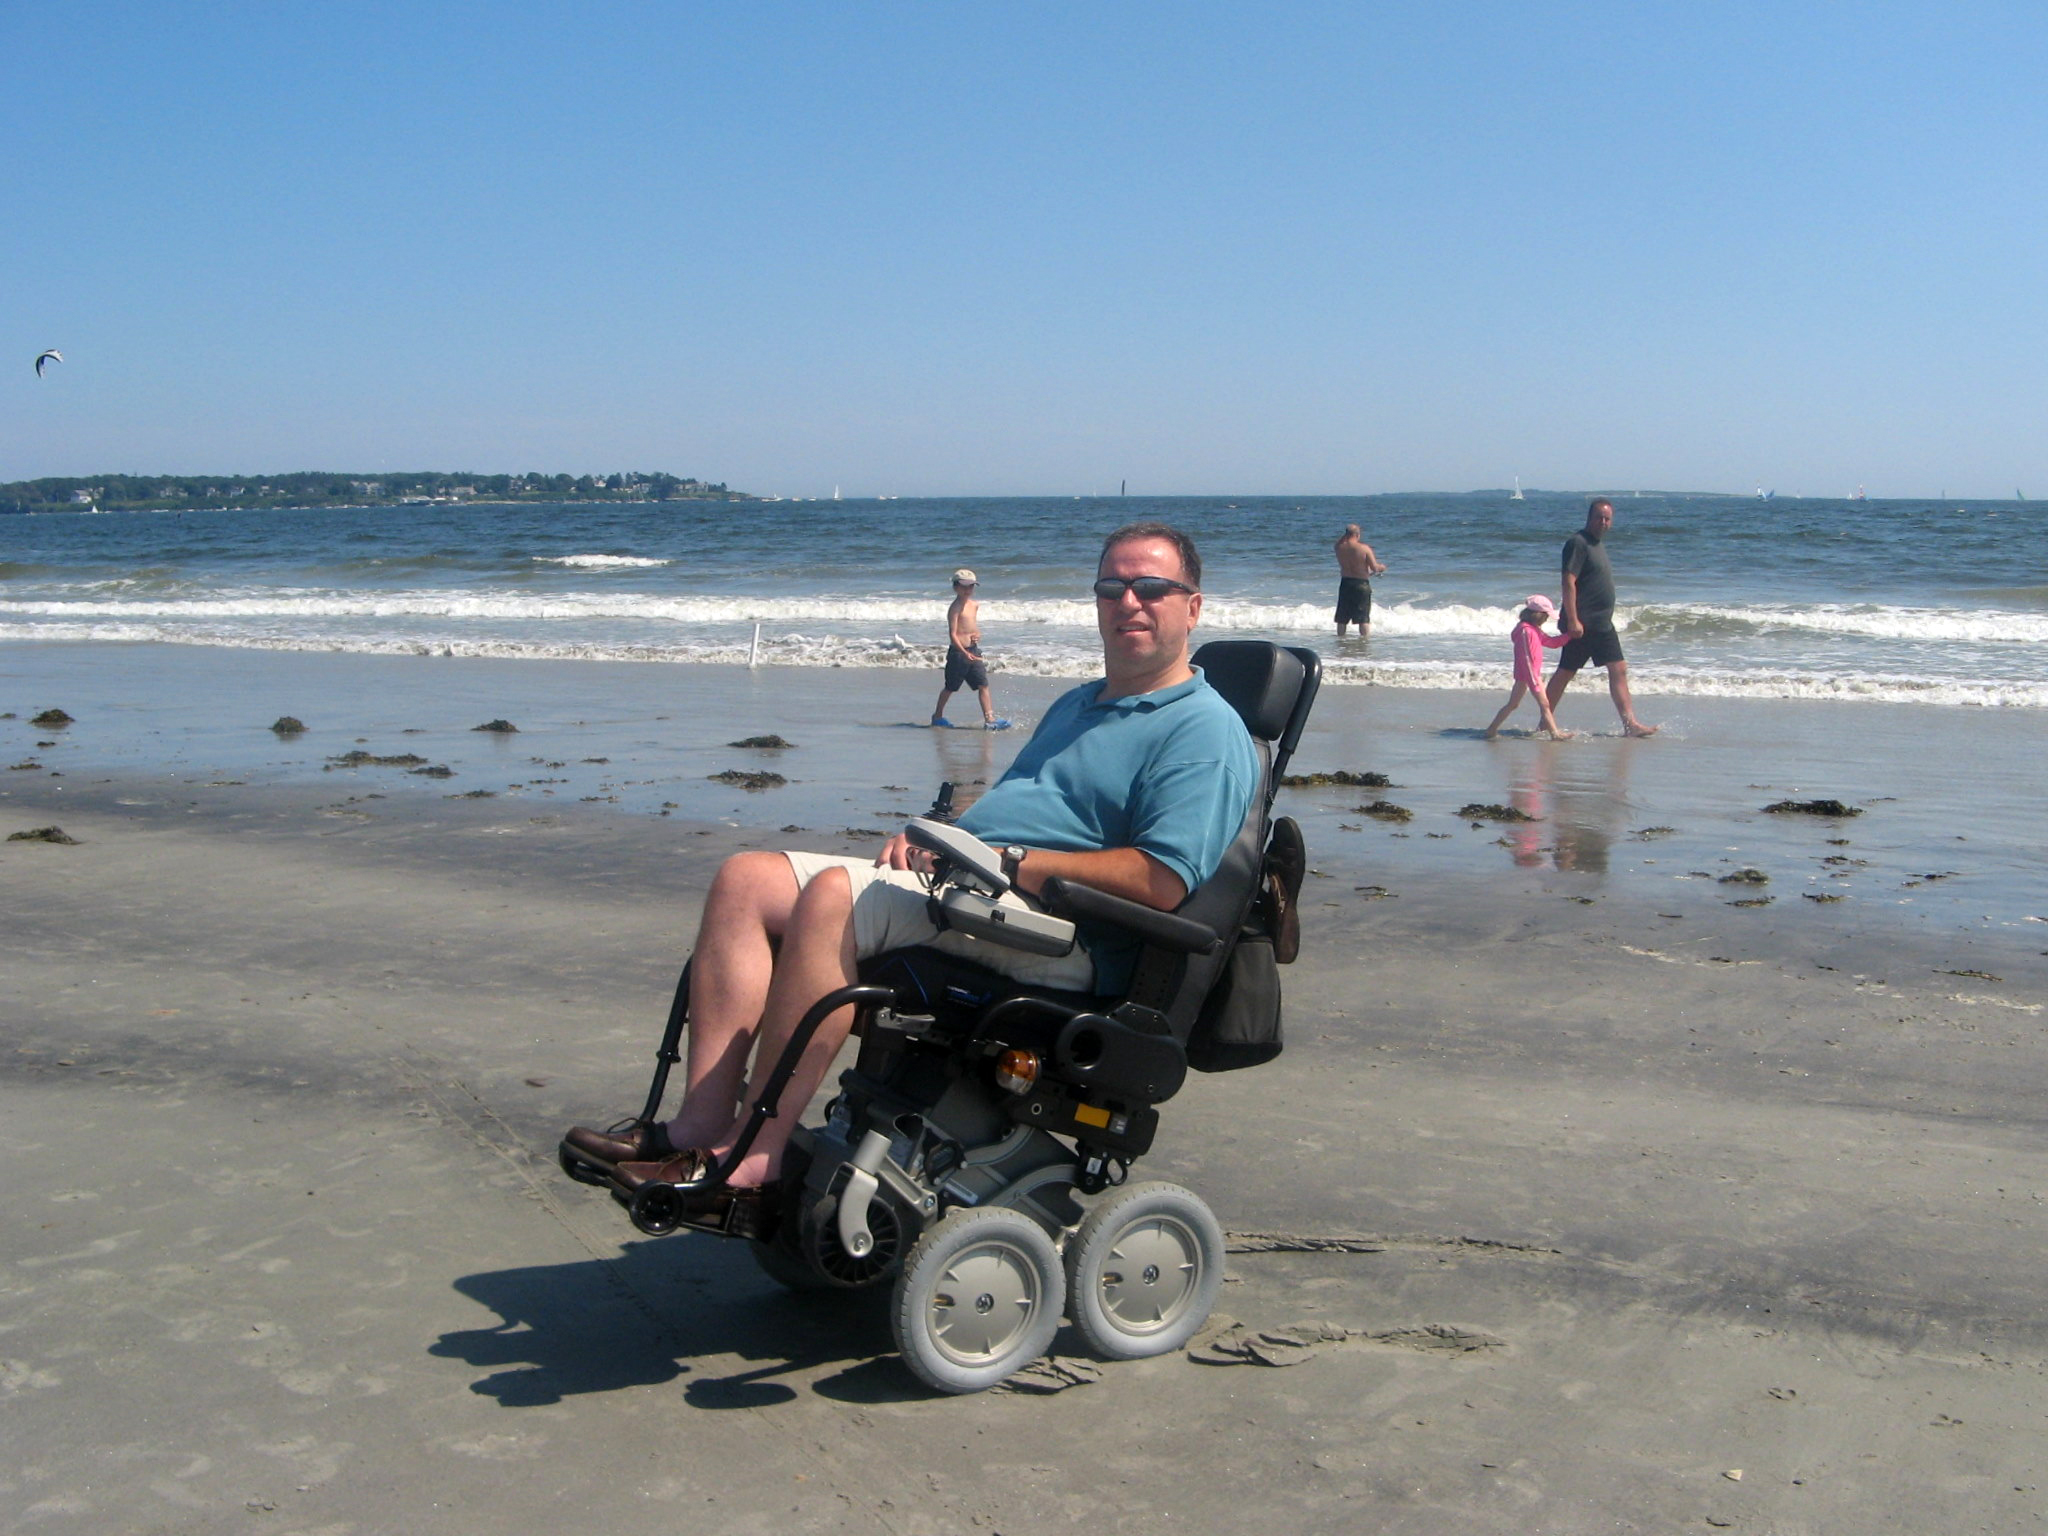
{"points": [[637, 1141], [1286, 863], [685, 1167]]}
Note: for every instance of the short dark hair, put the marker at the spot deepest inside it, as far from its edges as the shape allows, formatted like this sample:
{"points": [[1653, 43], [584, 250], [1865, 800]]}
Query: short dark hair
{"points": [[1190, 560], [1597, 503]]}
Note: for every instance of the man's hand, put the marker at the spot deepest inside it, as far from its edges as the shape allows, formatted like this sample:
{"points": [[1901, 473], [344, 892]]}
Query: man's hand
{"points": [[897, 853]]}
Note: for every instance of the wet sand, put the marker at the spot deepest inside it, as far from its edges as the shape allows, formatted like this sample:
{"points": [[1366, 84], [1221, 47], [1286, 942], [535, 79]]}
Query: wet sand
{"points": [[1644, 1189]]}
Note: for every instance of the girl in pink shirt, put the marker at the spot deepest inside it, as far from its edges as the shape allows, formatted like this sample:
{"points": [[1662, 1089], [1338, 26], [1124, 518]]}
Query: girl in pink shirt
{"points": [[1530, 643]]}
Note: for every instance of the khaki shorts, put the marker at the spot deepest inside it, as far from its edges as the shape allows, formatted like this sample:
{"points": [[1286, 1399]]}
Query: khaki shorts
{"points": [[891, 911]]}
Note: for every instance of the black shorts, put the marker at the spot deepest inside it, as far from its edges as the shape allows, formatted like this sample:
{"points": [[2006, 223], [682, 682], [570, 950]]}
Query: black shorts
{"points": [[1354, 600], [1599, 645], [964, 670]]}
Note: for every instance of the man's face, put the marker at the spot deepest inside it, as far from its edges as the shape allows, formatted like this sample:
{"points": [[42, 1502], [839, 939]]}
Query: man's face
{"points": [[1599, 518], [1143, 635]]}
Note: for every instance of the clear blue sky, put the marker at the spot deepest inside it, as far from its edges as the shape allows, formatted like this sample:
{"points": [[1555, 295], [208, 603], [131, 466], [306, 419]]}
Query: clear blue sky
{"points": [[948, 248]]}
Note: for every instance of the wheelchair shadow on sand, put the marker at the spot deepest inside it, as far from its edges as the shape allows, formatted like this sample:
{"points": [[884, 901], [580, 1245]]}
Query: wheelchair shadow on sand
{"points": [[655, 1314]]}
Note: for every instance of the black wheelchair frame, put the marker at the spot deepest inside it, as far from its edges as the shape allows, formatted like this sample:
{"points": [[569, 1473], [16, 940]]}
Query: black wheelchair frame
{"points": [[978, 1151]]}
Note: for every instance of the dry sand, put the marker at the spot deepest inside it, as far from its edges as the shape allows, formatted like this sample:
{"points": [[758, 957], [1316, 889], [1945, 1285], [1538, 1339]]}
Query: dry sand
{"points": [[1658, 1223]]}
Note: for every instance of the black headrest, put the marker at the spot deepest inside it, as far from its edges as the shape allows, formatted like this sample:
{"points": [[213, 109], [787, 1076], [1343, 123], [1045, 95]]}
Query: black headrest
{"points": [[1260, 679]]}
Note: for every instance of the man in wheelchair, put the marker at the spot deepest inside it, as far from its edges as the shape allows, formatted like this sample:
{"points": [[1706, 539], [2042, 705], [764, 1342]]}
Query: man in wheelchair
{"points": [[1135, 789]]}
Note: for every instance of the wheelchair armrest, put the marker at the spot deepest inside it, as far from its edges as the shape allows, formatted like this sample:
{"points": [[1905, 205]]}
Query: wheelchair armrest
{"points": [[1065, 898]]}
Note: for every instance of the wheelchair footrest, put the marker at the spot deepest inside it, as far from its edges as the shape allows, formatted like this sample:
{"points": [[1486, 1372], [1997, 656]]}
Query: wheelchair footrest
{"points": [[659, 1209]]}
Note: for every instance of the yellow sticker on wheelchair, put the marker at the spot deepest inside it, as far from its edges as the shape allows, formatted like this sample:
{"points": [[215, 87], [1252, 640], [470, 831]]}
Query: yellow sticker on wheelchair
{"points": [[1088, 1114]]}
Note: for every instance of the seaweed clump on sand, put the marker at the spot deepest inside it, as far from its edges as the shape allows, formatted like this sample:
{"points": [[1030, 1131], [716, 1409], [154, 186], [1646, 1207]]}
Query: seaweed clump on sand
{"points": [[1811, 808], [42, 835], [50, 719], [762, 743], [1384, 810], [358, 758], [502, 727], [288, 725], [1746, 876], [740, 779], [1341, 776], [1478, 812]]}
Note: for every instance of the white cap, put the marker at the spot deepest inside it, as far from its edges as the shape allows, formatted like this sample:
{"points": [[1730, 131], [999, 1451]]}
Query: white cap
{"points": [[964, 578]]}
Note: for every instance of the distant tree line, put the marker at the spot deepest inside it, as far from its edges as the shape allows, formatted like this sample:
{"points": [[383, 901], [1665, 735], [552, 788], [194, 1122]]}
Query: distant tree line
{"points": [[138, 493]]}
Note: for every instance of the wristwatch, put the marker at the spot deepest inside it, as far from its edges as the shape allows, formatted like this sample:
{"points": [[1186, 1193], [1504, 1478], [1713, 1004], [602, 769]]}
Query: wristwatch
{"points": [[1013, 860]]}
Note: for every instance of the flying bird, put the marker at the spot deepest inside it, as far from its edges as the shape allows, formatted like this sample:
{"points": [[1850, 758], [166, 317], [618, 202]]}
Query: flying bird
{"points": [[51, 356]]}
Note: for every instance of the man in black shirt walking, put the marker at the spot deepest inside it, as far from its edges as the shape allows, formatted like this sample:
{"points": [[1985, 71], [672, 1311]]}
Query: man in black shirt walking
{"points": [[1588, 618]]}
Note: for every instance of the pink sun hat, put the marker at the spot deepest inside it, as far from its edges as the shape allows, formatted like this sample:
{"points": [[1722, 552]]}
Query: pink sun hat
{"points": [[1542, 604]]}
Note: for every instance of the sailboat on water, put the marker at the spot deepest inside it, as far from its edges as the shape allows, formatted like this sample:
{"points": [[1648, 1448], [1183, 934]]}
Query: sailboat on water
{"points": [[1518, 490]]}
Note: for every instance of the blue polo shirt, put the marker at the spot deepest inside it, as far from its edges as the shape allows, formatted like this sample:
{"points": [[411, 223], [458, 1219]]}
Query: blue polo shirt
{"points": [[1170, 773]]}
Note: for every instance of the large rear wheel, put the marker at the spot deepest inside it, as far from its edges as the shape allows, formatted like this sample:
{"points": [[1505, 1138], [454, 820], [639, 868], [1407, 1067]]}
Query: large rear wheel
{"points": [[1143, 1270]]}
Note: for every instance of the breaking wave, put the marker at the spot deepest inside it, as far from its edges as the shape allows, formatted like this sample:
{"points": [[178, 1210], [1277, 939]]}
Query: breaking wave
{"points": [[1047, 658], [600, 562]]}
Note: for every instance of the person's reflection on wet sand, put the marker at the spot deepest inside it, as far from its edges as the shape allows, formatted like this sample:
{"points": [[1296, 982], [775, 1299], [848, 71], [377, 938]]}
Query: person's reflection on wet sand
{"points": [[966, 760], [1581, 792]]}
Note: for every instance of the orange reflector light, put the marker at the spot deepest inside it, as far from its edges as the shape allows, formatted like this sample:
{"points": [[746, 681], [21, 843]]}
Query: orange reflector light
{"points": [[1017, 1070]]}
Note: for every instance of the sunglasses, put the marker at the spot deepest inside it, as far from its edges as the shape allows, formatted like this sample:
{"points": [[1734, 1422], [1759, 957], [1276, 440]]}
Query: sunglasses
{"points": [[1147, 589]]}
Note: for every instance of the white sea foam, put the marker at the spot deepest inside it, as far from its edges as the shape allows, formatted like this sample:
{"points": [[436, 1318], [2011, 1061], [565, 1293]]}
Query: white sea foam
{"points": [[1390, 620], [599, 562], [1059, 660]]}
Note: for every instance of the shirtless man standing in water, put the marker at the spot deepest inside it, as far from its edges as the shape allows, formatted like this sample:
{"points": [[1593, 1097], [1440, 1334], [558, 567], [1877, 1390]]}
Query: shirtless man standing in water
{"points": [[964, 665], [1356, 566]]}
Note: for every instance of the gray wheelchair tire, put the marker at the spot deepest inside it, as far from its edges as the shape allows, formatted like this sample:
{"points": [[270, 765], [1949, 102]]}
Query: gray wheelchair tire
{"points": [[1143, 1270], [978, 1300]]}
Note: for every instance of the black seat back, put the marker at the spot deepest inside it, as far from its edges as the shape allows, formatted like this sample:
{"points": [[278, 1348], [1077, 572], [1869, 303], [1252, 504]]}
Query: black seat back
{"points": [[1272, 688]]}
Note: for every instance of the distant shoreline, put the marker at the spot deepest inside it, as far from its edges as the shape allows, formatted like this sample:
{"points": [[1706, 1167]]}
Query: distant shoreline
{"points": [[319, 491]]}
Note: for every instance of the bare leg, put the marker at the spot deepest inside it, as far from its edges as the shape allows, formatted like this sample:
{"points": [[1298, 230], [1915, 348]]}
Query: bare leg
{"points": [[1514, 702], [939, 709], [817, 957], [748, 908], [988, 705], [1617, 690], [1559, 681]]}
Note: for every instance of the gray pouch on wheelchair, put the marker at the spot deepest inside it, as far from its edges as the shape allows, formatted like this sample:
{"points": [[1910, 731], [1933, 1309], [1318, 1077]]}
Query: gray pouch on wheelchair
{"points": [[1239, 1025]]}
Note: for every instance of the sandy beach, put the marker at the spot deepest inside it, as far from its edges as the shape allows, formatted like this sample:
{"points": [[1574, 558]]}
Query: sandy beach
{"points": [[1657, 1212]]}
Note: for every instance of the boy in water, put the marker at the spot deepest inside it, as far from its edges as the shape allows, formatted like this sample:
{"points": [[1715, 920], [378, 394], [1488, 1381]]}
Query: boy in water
{"points": [[963, 653]]}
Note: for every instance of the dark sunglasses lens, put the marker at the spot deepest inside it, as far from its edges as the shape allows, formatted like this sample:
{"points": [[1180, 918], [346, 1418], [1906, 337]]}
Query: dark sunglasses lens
{"points": [[1149, 589]]}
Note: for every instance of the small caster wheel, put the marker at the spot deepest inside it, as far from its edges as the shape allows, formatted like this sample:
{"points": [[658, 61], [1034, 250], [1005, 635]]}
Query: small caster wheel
{"points": [[657, 1209]]}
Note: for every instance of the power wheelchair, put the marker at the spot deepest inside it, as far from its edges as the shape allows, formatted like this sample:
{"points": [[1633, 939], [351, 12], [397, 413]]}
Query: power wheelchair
{"points": [[976, 1158]]}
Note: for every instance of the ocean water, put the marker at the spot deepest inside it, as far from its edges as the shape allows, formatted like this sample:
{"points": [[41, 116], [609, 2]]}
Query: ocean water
{"points": [[1728, 597]]}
